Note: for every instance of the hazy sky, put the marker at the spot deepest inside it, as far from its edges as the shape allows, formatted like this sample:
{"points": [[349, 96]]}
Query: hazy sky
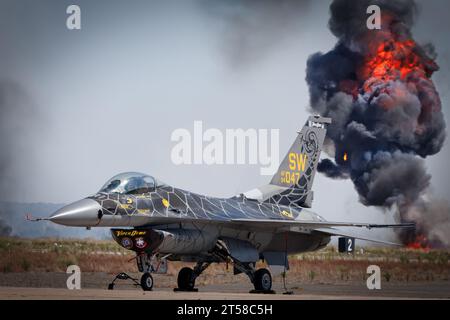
{"points": [[84, 105]]}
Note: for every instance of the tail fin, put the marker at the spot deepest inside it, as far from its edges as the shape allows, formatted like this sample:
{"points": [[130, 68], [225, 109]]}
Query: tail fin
{"points": [[296, 172]]}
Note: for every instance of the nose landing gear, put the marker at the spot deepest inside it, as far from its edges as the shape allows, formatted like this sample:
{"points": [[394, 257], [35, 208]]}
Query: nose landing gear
{"points": [[150, 263], [147, 282]]}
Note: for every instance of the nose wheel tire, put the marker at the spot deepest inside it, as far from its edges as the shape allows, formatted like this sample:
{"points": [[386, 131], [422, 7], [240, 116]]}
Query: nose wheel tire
{"points": [[147, 282], [262, 280], [186, 281]]}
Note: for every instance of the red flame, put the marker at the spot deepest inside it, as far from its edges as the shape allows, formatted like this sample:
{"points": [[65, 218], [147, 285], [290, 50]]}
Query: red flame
{"points": [[419, 243], [394, 60], [345, 157], [388, 56]]}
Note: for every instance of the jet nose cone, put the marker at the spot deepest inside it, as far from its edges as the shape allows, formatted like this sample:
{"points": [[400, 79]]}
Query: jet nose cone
{"points": [[82, 213]]}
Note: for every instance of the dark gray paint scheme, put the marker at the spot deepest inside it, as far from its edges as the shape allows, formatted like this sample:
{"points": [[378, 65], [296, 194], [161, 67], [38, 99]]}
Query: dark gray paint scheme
{"points": [[268, 222]]}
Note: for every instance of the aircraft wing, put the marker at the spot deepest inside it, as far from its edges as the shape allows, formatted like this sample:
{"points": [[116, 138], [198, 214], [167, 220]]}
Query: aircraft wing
{"points": [[276, 223], [326, 227], [335, 232]]}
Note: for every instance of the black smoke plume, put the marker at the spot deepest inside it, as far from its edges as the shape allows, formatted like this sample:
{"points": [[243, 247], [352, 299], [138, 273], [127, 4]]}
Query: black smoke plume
{"points": [[387, 114]]}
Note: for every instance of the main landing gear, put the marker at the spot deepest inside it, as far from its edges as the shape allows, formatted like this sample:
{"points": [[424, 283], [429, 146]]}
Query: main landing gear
{"points": [[147, 264], [261, 278], [186, 276]]}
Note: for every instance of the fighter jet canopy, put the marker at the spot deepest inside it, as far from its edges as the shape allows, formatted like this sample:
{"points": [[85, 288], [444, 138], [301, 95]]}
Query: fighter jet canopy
{"points": [[131, 183]]}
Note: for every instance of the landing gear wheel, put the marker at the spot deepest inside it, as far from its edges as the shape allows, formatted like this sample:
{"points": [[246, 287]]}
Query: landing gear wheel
{"points": [[147, 282], [186, 281], [262, 280]]}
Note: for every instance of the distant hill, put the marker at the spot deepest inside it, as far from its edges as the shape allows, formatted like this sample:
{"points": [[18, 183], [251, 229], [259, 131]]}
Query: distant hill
{"points": [[13, 222]]}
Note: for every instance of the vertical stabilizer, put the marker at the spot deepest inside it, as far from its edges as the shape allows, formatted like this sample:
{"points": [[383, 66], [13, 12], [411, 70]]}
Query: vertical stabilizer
{"points": [[296, 172]]}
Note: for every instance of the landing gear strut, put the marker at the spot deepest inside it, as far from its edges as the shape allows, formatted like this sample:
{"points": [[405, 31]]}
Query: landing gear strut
{"points": [[150, 263]]}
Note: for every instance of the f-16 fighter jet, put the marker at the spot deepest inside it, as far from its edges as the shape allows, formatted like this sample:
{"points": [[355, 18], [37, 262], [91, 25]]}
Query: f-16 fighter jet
{"points": [[162, 223]]}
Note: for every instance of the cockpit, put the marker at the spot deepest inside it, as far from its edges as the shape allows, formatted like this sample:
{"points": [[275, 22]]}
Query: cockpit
{"points": [[131, 183]]}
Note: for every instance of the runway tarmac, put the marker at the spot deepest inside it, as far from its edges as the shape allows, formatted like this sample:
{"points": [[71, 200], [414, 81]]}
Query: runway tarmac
{"points": [[439, 290]]}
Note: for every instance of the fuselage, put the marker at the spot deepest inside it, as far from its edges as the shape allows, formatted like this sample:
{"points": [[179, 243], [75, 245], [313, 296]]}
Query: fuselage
{"points": [[186, 223], [184, 217]]}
